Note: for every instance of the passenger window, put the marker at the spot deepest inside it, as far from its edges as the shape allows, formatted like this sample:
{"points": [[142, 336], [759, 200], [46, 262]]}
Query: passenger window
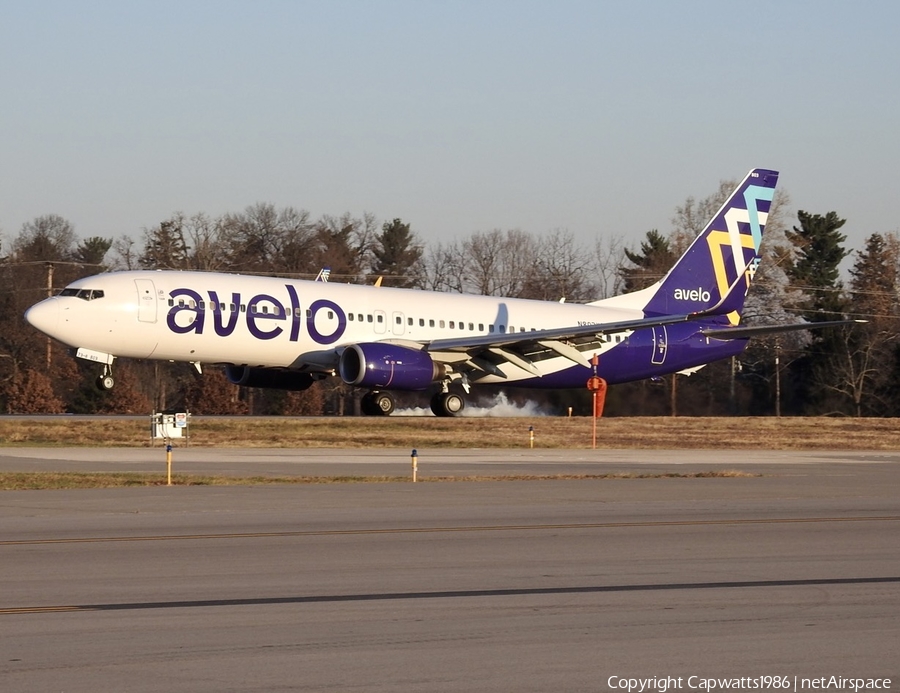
{"points": [[368, 318], [480, 327], [442, 324], [471, 327], [350, 317], [380, 318], [452, 325], [399, 320], [409, 321], [331, 315]]}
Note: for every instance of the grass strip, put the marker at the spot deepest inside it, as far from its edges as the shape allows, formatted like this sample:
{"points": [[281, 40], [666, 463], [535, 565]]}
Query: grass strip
{"points": [[660, 433], [38, 481]]}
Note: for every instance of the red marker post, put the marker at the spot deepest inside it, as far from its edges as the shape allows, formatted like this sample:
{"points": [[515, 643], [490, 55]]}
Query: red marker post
{"points": [[597, 386]]}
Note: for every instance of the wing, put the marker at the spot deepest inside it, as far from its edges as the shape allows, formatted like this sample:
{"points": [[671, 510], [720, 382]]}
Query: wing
{"points": [[485, 352]]}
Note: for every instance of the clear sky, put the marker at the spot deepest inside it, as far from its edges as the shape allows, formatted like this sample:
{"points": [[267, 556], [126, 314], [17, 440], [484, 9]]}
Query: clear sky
{"points": [[596, 117]]}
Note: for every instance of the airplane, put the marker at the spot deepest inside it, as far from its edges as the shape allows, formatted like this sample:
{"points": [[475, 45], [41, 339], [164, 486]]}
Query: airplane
{"points": [[272, 332]]}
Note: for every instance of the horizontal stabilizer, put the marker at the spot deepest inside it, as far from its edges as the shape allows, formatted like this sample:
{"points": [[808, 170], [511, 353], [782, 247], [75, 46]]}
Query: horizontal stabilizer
{"points": [[725, 333]]}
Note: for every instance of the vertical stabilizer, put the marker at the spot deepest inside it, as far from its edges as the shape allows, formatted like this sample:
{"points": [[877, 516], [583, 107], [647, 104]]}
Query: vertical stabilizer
{"points": [[725, 253]]}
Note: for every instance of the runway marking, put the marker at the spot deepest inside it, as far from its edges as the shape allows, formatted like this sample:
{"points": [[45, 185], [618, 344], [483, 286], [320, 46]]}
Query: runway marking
{"points": [[429, 530], [448, 594]]}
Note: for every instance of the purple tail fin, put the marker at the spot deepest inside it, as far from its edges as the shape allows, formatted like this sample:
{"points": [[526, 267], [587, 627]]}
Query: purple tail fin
{"points": [[724, 254]]}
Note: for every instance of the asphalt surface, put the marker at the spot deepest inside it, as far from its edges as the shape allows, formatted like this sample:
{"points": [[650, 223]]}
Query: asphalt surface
{"points": [[468, 586]]}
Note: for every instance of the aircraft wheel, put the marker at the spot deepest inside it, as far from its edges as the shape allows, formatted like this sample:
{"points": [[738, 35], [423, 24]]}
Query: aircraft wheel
{"points": [[105, 382], [366, 405], [377, 404], [447, 404], [384, 403]]}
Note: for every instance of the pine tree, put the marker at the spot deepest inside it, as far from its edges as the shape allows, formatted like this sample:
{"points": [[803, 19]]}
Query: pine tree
{"points": [[654, 260], [814, 271], [397, 255], [864, 361], [818, 252], [91, 252]]}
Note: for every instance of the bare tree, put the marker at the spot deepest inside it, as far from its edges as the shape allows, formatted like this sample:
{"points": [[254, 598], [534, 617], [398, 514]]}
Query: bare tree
{"points": [[609, 254], [343, 244], [562, 269], [206, 250], [125, 254], [49, 237], [444, 268]]}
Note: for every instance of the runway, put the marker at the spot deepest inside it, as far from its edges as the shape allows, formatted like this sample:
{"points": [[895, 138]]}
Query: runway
{"points": [[475, 586]]}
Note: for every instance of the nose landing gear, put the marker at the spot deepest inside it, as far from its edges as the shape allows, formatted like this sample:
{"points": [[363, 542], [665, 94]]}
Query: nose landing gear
{"points": [[105, 380]]}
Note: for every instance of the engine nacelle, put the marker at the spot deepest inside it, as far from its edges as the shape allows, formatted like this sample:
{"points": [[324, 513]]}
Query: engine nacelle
{"points": [[271, 378], [382, 365]]}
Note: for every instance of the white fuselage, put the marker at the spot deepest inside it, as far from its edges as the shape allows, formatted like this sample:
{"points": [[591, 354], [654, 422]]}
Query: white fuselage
{"points": [[273, 322]]}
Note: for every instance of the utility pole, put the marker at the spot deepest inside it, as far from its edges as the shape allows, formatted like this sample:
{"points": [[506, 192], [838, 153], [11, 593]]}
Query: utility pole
{"points": [[777, 379], [49, 294]]}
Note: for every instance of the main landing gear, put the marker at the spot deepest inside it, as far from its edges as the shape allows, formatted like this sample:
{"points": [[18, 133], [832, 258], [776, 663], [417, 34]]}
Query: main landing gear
{"points": [[377, 403], [447, 404]]}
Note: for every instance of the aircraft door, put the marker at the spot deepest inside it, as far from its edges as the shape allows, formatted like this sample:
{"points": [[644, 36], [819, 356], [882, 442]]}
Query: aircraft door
{"points": [[397, 323], [146, 300], [660, 344]]}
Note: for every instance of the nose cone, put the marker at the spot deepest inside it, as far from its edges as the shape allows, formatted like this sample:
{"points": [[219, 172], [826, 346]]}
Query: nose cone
{"points": [[44, 316]]}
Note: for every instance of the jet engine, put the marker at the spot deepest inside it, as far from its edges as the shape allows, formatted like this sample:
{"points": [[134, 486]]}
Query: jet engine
{"points": [[382, 365], [272, 378]]}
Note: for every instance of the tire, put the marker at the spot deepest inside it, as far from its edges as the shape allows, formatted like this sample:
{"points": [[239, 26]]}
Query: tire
{"points": [[447, 404], [377, 404], [384, 403], [105, 383]]}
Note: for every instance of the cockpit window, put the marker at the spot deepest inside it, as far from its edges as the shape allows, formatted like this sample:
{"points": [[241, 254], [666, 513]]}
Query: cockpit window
{"points": [[85, 294]]}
